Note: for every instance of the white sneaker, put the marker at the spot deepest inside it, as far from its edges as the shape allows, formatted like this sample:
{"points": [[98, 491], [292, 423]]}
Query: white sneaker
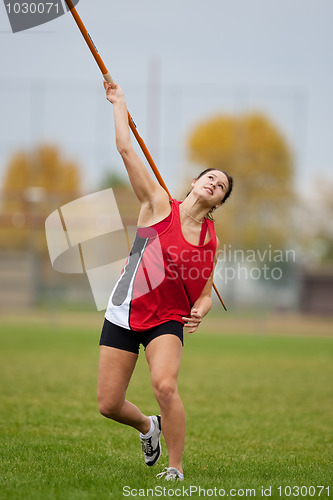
{"points": [[171, 474], [151, 446]]}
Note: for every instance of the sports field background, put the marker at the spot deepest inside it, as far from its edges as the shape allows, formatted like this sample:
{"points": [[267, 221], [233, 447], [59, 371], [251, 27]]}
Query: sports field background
{"points": [[257, 390]]}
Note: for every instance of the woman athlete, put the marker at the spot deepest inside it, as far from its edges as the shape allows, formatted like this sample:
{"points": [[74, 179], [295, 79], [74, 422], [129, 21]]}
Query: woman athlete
{"points": [[165, 285]]}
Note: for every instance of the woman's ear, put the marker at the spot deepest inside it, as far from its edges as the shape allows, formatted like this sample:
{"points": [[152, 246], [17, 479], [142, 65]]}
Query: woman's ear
{"points": [[193, 182]]}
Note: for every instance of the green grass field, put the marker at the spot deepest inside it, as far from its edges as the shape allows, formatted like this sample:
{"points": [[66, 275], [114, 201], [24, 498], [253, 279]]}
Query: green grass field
{"points": [[259, 412]]}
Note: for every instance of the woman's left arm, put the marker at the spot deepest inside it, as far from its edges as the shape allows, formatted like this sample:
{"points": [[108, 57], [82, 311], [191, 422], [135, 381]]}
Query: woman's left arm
{"points": [[203, 304]]}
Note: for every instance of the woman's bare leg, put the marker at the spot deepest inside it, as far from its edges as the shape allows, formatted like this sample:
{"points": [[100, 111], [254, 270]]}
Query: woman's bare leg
{"points": [[114, 373], [164, 355]]}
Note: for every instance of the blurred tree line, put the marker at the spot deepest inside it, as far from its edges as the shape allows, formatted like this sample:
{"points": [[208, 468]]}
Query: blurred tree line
{"points": [[35, 184], [264, 209]]}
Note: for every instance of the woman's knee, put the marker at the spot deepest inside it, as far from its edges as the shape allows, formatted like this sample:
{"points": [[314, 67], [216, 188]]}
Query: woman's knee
{"points": [[109, 407], [165, 390]]}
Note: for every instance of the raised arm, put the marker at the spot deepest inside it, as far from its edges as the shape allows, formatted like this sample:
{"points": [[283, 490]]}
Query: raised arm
{"points": [[151, 195]]}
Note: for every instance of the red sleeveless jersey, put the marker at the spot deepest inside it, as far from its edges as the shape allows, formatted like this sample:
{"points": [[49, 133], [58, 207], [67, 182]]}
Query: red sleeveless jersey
{"points": [[163, 277]]}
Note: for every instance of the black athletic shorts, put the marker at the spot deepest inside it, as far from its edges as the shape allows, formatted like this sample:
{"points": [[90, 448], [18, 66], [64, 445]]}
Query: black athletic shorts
{"points": [[130, 340]]}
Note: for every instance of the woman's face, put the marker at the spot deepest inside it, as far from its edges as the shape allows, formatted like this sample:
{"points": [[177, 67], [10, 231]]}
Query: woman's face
{"points": [[212, 186]]}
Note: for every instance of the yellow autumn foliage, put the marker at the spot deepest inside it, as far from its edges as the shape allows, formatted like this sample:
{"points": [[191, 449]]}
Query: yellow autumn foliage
{"points": [[251, 149], [36, 183]]}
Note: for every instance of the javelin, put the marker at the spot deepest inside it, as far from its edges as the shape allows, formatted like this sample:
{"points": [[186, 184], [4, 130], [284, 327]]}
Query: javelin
{"points": [[131, 122]]}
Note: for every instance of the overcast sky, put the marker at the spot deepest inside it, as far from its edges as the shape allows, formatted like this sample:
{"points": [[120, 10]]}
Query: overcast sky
{"points": [[204, 57]]}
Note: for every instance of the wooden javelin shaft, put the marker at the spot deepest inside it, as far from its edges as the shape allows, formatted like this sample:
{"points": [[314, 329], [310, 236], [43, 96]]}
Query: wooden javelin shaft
{"points": [[131, 122], [109, 79]]}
